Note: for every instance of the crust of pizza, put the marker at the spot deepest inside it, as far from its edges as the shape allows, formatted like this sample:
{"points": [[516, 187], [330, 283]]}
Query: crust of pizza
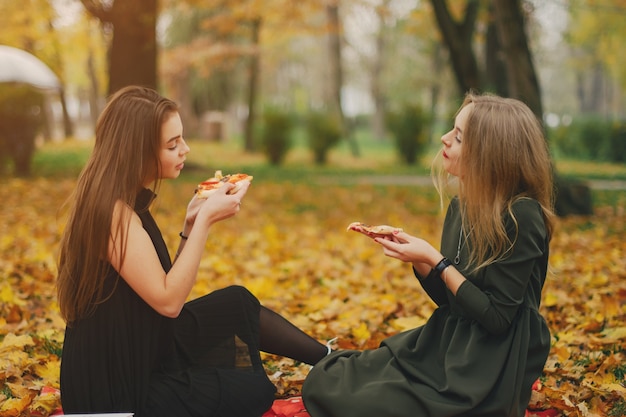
{"points": [[378, 230], [209, 186]]}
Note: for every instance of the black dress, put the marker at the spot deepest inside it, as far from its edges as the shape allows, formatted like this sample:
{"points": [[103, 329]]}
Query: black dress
{"points": [[477, 355], [126, 357]]}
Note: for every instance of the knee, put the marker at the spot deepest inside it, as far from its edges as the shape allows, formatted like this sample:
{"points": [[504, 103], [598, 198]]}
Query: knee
{"points": [[242, 293]]}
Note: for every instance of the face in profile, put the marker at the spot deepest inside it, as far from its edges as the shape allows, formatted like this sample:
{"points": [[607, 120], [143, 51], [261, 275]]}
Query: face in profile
{"points": [[453, 143], [173, 149]]}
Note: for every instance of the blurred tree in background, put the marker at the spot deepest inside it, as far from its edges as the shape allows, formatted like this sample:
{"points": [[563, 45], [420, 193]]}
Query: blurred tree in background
{"points": [[508, 68], [132, 55], [596, 37]]}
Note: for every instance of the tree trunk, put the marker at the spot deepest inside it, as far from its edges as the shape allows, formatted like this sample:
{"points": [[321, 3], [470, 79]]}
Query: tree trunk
{"points": [[336, 69], [94, 90], [334, 49], [435, 90], [133, 51], [522, 78], [458, 38], [596, 92], [179, 87], [253, 81], [495, 66], [378, 118], [68, 127]]}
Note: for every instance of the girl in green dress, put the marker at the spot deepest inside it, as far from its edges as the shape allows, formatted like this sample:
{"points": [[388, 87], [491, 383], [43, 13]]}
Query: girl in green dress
{"points": [[486, 343]]}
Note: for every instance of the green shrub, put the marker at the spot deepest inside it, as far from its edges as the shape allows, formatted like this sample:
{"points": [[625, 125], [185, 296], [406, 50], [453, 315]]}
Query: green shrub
{"points": [[409, 127], [276, 135], [589, 138], [21, 118], [563, 142], [324, 132], [595, 136]]}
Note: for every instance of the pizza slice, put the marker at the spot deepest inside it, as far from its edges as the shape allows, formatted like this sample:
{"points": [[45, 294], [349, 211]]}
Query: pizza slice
{"points": [[374, 231], [209, 186]]}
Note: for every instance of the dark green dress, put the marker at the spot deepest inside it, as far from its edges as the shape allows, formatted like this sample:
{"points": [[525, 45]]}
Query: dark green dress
{"points": [[478, 354]]}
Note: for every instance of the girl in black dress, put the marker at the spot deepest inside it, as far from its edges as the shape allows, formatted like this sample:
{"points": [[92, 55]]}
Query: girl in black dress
{"points": [[132, 343]]}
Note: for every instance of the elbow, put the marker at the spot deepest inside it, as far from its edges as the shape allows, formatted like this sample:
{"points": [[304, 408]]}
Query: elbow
{"points": [[172, 314], [169, 310]]}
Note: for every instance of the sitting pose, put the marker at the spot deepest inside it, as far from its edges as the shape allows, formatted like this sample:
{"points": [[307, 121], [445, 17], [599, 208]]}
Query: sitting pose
{"points": [[486, 343], [132, 342]]}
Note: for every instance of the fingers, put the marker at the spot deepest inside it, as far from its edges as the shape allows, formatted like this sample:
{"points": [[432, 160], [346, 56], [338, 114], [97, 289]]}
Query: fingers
{"points": [[395, 239], [387, 243], [396, 247], [226, 188], [240, 189], [402, 236]]}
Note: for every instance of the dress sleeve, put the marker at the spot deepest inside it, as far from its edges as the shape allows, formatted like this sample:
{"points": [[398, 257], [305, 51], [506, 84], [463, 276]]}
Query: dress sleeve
{"points": [[432, 283], [434, 287], [495, 304]]}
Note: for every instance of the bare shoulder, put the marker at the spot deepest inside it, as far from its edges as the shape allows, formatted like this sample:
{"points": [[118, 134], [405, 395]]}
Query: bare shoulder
{"points": [[124, 221], [122, 212]]}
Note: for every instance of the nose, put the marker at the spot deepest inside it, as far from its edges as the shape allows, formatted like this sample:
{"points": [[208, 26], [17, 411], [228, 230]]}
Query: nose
{"points": [[185, 148], [445, 139]]}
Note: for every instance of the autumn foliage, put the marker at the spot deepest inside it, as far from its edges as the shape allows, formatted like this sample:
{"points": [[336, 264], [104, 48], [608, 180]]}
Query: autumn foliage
{"points": [[289, 246]]}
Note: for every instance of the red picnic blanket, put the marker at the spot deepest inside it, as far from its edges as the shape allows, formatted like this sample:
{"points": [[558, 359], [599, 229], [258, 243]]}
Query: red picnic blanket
{"points": [[294, 407]]}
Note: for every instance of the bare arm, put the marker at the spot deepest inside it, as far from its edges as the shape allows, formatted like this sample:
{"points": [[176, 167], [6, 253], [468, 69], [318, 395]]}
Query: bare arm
{"points": [[142, 270]]}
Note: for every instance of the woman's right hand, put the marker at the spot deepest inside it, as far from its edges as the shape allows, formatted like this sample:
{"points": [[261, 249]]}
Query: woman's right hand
{"points": [[218, 206], [408, 248]]}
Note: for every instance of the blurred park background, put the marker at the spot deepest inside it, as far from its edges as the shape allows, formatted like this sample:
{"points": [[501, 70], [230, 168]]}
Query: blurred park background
{"points": [[269, 76], [336, 107]]}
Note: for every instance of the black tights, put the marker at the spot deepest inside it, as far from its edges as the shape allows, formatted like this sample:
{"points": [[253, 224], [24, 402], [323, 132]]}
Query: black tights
{"points": [[280, 337]]}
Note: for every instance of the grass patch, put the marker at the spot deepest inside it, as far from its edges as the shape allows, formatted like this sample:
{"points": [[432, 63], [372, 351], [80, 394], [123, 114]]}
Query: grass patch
{"points": [[66, 159], [61, 159], [613, 198], [588, 170]]}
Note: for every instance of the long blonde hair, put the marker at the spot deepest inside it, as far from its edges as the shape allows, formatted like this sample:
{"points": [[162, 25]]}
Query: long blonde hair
{"points": [[504, 158], [125, 154]]}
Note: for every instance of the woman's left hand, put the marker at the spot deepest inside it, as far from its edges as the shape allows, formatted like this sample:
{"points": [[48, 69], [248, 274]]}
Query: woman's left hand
{"points": [[192, 211]]}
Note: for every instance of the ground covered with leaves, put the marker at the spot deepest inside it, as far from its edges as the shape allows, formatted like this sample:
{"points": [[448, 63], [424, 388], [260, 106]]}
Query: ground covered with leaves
{"points": [[290, 247]]}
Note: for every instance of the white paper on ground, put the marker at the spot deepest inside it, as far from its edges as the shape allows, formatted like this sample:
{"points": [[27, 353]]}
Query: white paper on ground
{"points": [[99, 415]]}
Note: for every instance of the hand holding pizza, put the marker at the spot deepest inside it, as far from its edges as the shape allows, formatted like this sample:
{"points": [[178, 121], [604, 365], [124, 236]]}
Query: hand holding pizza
{"points": [[232, 189], [398, 244]]}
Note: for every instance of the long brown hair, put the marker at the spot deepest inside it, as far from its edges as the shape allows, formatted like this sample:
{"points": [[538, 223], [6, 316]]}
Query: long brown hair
{"points": [[504, 158], [125, 155]]}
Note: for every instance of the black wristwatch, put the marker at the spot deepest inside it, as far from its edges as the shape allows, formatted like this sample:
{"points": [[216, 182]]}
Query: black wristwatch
{"points": [[443, 264]]}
